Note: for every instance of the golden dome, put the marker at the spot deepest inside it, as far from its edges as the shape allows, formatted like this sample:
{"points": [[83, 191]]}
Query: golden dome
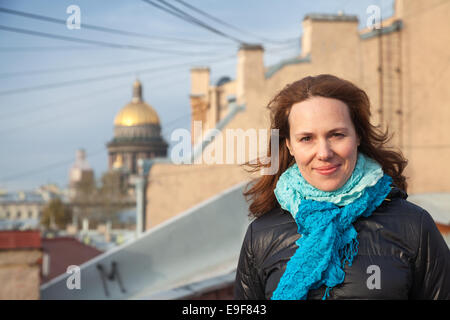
{"points": [[137, 112]]}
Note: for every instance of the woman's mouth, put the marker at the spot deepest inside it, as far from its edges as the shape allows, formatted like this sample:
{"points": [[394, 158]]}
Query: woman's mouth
{"points": [[327, 170]]}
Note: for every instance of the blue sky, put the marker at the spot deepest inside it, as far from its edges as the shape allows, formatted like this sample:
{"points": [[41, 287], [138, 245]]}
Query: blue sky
{"points": [[40, 130]]}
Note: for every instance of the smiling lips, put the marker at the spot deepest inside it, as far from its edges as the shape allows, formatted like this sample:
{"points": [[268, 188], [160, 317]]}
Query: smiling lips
{"points": [[327, 170]]}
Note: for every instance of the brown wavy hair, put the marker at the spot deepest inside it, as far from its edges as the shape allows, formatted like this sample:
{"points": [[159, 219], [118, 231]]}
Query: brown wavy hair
{"points": [[373, 141]]}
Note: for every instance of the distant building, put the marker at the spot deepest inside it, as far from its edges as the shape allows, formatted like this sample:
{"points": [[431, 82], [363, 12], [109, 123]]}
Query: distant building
{"points": [[20, 264], [80, 175], [21, 205], [23, 209], [137, 134]]}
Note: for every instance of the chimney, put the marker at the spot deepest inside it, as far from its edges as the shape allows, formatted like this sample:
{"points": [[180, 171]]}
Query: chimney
{"points": [[250, 71], [325, 32], [200, 81], [199, 99], [399, 8]]}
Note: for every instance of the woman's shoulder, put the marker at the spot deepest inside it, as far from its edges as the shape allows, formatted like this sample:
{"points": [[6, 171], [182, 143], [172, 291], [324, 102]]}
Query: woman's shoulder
{"points": [[397, 215], [413, 217], [396, 203], [272, 219], [271, 232]]}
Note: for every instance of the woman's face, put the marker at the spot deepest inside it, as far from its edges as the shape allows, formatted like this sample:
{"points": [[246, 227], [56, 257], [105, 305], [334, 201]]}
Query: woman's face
{"points": [[323, 142]]}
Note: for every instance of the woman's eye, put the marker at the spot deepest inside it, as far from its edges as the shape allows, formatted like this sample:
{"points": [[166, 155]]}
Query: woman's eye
{"points": [[309, 138]]}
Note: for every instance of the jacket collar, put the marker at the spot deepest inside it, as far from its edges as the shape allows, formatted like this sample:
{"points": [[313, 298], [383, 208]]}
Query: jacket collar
{"points": [[396, 192]]}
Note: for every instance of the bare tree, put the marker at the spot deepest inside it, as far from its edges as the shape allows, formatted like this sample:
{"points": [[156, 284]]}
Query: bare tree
{"points": [[56, 214]]}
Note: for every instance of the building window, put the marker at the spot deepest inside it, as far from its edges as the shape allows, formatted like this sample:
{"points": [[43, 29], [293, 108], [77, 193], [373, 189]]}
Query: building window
{"points": [[8, 214], [30, 214]]}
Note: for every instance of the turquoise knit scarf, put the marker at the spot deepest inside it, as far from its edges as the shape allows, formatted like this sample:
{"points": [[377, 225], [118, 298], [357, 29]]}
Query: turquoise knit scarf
{"points": [[324, 219]]}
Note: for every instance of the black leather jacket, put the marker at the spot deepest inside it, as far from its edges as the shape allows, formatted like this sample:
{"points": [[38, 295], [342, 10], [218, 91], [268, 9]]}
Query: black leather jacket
{"points": [[401, 255]]}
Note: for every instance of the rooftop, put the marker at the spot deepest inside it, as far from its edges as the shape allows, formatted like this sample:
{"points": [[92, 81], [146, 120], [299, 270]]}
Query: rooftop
{"points": [[63, 252], [14, 239], [22, 196]]}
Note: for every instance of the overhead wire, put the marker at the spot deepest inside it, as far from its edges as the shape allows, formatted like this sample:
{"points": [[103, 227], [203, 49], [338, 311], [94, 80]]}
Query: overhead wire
{"points": [[71, 99], [45, 168], [100, 78], [100, 43], [224, 23], [6, 28], [67, 100], [68, 161], [188, 18], [106, 29], [91, 154], [78, 67], [47, 48], [5, 131]]}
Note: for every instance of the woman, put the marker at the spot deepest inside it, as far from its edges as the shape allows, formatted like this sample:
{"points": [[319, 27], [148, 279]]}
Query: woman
{"points": [[333, 222]]}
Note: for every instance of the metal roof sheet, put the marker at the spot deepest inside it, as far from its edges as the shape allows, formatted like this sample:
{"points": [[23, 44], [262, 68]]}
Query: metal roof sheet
{"points": [[199, 244]]}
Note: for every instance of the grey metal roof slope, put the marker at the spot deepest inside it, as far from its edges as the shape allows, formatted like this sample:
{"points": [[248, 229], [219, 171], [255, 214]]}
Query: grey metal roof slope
{"points": [[395, 26], [331, 17], [200, 245], [277, 67]]}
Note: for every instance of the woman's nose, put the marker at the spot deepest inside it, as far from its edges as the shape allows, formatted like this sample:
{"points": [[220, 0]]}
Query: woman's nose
{"points": [[324, 151]]}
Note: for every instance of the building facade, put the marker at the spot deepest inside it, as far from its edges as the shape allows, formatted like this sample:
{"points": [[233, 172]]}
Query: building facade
{"points": [[21, 205]]}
